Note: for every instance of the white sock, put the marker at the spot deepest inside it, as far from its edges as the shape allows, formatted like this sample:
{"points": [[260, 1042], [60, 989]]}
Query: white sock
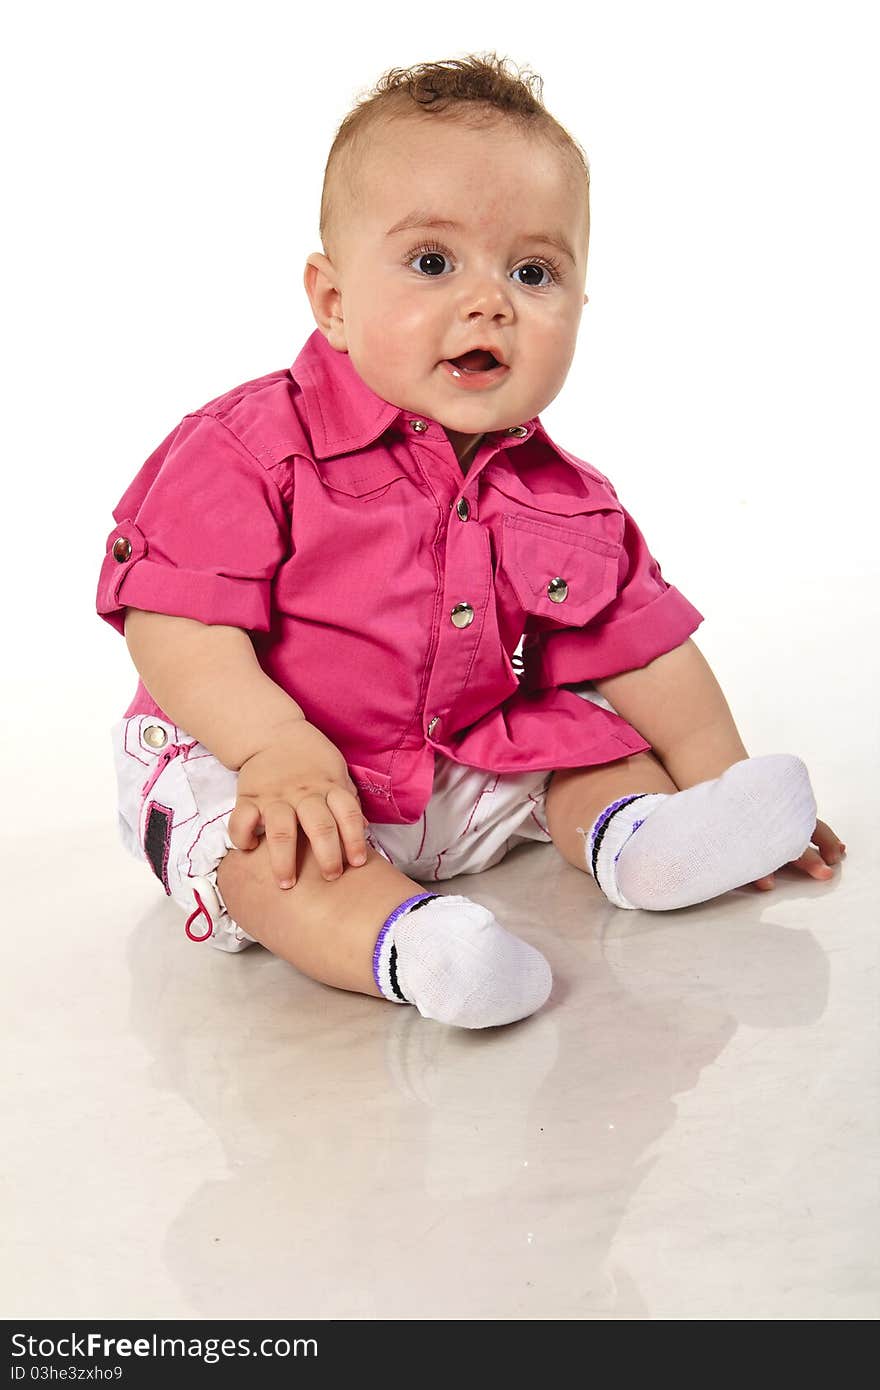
{"points": [[662, 851], [457, 964]]}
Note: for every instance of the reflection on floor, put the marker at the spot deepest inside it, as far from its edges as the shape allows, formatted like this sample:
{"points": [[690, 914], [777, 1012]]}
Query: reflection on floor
{"points": [[686, 1130]]}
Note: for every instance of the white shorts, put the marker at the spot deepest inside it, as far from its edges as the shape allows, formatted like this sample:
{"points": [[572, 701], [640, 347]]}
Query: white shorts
{"points": [[175, 799]]}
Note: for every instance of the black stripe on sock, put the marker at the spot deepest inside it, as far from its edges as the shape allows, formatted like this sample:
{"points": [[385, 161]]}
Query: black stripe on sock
{"points": [[601, 835], [392, 956], [392, 975], [421, 903]]}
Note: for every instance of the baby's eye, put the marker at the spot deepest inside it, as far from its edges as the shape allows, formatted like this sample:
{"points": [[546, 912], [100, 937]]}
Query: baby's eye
{"points": [[538, 266], [432, 258]]}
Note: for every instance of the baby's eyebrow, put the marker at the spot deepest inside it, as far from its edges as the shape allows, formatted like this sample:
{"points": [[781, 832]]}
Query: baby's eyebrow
{"points": [[420, 218]]}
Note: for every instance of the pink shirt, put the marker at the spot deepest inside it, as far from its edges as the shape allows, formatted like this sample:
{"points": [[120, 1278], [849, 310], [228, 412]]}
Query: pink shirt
{"points": [[385, 590]]}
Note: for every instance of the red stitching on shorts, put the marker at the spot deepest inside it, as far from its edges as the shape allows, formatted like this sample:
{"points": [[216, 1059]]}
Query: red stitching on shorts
{"points": [[424, 833], [534, 817], [487, 791], [545, 828], [221, 815]]}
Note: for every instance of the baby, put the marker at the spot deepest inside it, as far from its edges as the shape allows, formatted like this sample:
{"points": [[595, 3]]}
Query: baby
{"points": [[359, 593]]}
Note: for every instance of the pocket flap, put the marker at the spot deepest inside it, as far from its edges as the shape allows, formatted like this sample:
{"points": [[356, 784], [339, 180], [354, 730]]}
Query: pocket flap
{"points": [[561, 572], [359, 476]]}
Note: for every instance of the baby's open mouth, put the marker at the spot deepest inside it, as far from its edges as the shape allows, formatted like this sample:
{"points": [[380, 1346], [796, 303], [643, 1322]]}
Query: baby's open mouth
{"points": [[477, 360]]}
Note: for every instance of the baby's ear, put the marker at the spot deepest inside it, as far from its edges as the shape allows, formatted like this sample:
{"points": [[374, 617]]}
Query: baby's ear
{"points": [[320, 280]]}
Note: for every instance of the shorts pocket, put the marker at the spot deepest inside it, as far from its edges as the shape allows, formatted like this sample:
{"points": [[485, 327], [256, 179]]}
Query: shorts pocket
{"points": [[174, 803], [155, 801], [132, 764]]}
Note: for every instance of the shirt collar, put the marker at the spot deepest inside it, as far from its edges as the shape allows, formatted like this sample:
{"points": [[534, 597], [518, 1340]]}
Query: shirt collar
{"points": [[344, 414]]}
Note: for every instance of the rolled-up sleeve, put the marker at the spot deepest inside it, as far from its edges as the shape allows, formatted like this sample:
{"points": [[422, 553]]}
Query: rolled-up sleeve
{"points": [[647, 618], [199, 533]]}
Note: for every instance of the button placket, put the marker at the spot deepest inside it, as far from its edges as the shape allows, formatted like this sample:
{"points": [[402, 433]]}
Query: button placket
{"points": [[467, 584]]}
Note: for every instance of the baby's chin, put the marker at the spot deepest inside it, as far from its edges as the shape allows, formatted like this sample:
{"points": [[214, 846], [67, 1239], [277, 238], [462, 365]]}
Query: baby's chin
{"points": [[474, 412], [432, 397]]}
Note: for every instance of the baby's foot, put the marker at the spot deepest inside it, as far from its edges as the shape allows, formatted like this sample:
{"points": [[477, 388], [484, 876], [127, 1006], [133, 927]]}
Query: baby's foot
{"points": [[662, 851], [457, 964]]}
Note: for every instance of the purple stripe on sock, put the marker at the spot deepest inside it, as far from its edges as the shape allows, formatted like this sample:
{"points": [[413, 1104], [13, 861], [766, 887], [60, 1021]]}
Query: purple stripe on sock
{"points": [[602, 824], [389, 923], [607, 814]]}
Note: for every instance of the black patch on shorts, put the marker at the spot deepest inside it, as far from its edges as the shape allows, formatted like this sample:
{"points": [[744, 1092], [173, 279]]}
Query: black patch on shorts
{"points": [[157, 840]]}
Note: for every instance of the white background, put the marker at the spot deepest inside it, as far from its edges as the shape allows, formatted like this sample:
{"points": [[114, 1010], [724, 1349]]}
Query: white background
{"points": [[163, 169]]}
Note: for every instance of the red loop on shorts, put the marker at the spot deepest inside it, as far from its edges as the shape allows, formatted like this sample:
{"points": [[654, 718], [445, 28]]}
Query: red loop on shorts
{"points": [[201, 908]]}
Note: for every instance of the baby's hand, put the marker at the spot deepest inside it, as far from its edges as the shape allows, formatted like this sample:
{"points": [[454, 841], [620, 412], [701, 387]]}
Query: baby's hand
{"points": [[814, 862], [299, 779]]}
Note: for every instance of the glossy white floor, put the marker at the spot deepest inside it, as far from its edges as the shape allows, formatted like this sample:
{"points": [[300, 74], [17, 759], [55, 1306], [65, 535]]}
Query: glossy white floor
{"points": [[687, 1130]]}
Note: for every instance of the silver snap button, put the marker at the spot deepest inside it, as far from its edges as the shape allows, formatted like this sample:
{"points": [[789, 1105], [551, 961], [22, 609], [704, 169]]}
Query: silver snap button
{"points": [[462, 615], [463, 509], [155, 736], [433, 724], [518, 430], [557, 590], [121, 550], [418, 425]]}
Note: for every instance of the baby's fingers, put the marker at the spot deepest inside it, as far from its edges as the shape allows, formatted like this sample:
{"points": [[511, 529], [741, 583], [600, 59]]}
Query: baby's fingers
{"points": [[350, 818], [279, 819], [319, 824], [244, 823]]}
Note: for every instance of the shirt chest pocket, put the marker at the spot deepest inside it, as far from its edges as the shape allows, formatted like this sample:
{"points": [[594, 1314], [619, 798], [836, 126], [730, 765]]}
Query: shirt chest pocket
{"points": [[559, 570]]}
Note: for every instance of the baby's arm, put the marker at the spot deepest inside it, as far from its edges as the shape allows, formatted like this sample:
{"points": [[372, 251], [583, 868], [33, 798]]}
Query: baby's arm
{"points": [[676, 703], [208, 680], [206, 677]]}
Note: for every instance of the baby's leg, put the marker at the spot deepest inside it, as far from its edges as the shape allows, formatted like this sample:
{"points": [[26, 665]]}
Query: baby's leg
{"points": [[327, 930], [447, 956], [649, 845], [576, 795]]}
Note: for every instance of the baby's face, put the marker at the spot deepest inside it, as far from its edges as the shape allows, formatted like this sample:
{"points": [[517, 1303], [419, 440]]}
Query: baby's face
{"points": [[403, 302]]}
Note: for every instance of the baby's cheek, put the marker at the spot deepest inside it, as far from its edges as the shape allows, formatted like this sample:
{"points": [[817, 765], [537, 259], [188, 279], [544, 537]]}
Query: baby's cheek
{"points": [[387, 361], [554, 348]]}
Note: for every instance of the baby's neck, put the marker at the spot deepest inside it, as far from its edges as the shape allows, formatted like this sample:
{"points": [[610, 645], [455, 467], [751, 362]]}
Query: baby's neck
{"points": [[465, 446]]}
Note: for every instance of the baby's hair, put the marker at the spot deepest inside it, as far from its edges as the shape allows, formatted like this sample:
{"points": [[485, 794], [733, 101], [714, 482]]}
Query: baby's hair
{"points": [[476, 90]]}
